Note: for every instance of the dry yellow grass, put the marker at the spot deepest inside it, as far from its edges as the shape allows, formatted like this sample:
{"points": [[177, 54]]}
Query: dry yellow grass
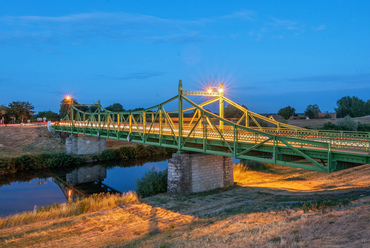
{"points": [[142, 225], [91, 204], [300, 180]]}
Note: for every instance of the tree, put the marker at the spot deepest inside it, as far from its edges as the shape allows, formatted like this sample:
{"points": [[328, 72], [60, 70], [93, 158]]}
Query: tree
{"points": [[4, 113], [21, 110], [368, 107], [352, 106], [232, 112], [116, 107], [286, 112], [312, 111], [50, 115]]}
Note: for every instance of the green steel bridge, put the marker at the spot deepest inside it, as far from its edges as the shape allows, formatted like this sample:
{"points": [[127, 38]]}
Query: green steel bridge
{"points": [[252, 136]]}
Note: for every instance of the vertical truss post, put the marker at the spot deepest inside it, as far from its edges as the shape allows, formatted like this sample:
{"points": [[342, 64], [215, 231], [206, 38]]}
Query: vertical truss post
{"points": [[130, 124], [235, 140], [330, 165], [204, 132], [274, 155], [160, 126], [108, 127], [118, 127], [221, 105], [99, 114], [246, 119], [180, 117], [144, 124], [72, 124], [91, 122]]}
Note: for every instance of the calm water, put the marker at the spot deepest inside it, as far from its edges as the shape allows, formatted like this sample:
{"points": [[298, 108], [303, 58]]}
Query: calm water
{"points": [[24, 192]]}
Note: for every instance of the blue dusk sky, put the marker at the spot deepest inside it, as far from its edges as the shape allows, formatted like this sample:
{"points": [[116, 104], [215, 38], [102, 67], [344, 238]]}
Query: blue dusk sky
{"points": [[269, 54]]}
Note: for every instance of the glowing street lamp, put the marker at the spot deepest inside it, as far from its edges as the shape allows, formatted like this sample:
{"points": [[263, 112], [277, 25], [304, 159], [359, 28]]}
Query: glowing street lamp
{"points": [[219, 89]]}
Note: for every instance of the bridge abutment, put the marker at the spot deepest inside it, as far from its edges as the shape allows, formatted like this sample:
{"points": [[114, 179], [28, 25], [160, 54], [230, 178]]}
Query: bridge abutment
{"points": [[192, 173], [82, 145]]}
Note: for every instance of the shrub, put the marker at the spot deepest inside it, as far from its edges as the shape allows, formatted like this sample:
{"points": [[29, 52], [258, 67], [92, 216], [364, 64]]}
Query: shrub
{"points": [[253, 165], [153, 182], [330, 126], [108, 155], [127, 153], [347, 124], [40, 161], [363, 127]]}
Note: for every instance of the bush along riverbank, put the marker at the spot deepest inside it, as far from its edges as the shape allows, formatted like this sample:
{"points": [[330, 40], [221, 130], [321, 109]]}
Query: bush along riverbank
{"points": [[28, 163]]}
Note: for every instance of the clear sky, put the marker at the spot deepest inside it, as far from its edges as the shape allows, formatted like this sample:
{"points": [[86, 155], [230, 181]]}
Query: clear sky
{"points": [[269, 54]]}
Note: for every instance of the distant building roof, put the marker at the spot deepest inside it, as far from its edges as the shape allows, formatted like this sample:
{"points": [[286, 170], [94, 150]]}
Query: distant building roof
{"points": [[332, 115], [277, 117]]}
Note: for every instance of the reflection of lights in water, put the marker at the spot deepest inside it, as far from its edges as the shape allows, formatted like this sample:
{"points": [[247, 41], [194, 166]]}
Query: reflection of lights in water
{"points": [[69, 194]]}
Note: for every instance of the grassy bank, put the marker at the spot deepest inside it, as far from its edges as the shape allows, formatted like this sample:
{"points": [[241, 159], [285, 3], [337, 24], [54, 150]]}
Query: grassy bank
{"points": [[90, 204]]}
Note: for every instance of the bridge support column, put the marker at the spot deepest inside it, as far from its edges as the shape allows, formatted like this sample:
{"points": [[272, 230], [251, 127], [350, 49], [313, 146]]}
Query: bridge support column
{"points": [[81, 145], [192, 173]]}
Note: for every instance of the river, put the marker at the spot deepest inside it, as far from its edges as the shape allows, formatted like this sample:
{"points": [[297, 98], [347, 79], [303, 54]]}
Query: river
{"points": [[27, 191]]}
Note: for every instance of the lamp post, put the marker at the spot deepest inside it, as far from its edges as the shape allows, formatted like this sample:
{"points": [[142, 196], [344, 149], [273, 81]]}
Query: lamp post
{"points": [[220, 90], [212, 92]]}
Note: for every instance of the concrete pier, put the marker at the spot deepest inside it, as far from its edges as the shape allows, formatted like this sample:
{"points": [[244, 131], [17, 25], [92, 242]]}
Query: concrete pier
{"points": [[82, 145], [192, 173]]}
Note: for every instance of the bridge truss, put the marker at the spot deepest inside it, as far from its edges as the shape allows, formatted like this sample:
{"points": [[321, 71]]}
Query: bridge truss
{"points": [[252, 136]]}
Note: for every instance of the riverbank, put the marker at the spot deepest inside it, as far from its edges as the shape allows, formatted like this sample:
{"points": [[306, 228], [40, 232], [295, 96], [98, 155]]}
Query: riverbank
{"points": [[16, 141], [280, 207], [34, 148]]}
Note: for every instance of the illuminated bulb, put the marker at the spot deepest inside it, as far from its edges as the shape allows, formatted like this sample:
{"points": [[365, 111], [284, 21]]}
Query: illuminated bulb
{"points": [[220, 90], [210, 90], [68, 97]]}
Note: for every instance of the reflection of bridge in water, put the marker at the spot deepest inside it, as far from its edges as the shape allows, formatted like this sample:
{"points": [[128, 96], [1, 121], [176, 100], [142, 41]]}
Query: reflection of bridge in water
{"points": [[83, 182]]}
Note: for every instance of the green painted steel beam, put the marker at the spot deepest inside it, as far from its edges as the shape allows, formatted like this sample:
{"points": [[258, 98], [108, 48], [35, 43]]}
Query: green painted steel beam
{"points": [[284, 144]]}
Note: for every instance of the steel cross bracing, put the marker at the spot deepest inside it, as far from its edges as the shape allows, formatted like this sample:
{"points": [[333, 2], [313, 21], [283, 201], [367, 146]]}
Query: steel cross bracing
{"points": [[252, 136]]}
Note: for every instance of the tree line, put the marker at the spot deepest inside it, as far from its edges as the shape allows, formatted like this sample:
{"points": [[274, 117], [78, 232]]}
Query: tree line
{"points": [[346, 106], [21, 111]]}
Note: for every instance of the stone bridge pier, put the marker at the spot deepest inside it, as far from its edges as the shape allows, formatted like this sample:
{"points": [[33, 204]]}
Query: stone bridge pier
{"points": [[192, 173], [82, 145]]}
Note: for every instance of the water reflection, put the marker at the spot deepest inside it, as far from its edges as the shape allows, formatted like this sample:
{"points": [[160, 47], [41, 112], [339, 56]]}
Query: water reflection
{"points": [[21, 192], [83, 182]]}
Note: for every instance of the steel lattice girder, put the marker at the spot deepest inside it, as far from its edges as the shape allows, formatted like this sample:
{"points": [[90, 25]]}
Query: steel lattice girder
{"points": [[154, 126]]}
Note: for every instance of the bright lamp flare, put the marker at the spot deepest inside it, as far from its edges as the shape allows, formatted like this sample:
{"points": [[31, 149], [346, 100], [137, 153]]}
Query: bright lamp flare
{"points": [[220, 90], [209, 90], [68, 98]]}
